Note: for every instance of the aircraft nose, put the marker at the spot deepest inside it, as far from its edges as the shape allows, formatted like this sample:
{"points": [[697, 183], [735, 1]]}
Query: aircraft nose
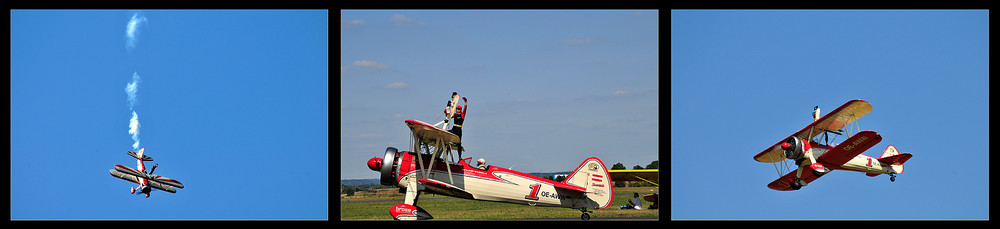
{"points": [[375, 163]]}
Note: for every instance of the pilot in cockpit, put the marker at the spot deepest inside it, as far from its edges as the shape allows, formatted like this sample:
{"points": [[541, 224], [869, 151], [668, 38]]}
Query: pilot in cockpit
{"points": [[481, 164]]}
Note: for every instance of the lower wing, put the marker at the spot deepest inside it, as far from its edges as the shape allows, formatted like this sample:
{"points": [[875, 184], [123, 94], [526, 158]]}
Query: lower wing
{"points": [[161, 186], [167, 181], [445, 188], [785, 182], [124, 176]]}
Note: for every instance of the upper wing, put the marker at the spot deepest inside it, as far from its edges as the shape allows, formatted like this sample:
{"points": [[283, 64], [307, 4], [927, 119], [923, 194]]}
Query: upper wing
{"points": [[838, 118], [429, 133], [124, 176], [785, 182], [634, 175], [851, 147], [136, 173], [130, 171]]}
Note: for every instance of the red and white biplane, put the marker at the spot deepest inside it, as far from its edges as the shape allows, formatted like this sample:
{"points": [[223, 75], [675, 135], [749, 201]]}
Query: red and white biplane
{"points": [[145, 180], [427, 169], [814, 159]]}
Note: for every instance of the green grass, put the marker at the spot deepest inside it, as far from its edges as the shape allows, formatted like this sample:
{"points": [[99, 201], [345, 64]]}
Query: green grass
{"points": [[463, 209]]}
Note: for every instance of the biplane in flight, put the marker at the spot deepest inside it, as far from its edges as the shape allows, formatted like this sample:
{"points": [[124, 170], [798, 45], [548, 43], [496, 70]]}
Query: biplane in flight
{"points": [[814, 159], [145, 180], [430, 168]]}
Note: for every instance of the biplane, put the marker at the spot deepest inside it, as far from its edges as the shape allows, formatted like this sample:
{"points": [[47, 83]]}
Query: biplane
{"points": [[814, 159], [430, 168], [145, 180]]}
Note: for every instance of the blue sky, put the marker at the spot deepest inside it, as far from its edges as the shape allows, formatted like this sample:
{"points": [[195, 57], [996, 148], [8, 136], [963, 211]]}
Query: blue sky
{"points": [[231, 103], [743, 80], [546, 89]]}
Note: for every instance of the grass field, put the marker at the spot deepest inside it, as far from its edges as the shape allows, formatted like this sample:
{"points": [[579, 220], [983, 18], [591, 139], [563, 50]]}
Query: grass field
{"points": [[447, 208]]}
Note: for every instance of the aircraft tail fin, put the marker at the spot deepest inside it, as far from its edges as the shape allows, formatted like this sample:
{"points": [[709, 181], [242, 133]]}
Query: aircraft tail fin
{"points": [[137, 155], [889, 151], [594, 177], [893, 158]]}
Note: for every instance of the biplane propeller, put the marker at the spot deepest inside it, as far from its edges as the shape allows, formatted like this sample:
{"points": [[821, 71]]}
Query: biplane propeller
{"points": [[430, 168], [818, 159], [145, 180]]}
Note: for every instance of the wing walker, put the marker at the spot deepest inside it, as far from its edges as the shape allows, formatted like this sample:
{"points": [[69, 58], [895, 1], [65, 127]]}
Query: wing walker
{"points": [[430, 166], [814, 159]]}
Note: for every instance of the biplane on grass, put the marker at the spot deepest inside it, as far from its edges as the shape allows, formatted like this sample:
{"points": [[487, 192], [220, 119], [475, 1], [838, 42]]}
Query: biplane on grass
{"points": [[813, 159], [430, 166]]}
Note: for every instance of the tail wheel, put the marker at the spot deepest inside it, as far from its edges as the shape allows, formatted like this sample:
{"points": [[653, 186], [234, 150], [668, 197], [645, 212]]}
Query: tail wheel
{"points": [[585, 216]]}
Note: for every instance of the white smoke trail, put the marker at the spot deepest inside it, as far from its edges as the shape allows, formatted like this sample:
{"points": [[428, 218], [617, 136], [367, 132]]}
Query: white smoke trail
{"points": [[132, 30], [133, 124], [132, 88], [133, 129]]}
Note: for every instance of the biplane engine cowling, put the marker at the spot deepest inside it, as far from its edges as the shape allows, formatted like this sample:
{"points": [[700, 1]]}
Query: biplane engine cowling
{"points": [[387, 166], [792, 147]]}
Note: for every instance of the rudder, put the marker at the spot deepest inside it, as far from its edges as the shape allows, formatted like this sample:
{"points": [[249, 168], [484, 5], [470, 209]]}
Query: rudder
{"points": [[894, 159], [593, 175], [889, 151]]}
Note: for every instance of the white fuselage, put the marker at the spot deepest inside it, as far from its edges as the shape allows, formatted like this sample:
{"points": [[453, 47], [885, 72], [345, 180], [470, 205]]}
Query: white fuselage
{"points": [[860, 163]]}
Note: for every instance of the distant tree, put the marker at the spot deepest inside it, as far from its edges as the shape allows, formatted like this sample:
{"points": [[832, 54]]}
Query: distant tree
{"points": [[560, 178], [618, 165], [548, 177], [636, 167], [653, 165], [349, 190]]}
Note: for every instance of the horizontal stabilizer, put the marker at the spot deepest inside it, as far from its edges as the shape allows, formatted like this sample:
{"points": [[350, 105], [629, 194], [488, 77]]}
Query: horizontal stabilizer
{"points": [[144, 157], [895, 159]]}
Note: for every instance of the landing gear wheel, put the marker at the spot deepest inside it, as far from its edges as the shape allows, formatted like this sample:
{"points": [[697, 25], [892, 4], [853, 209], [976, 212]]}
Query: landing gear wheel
{"points": [[892, 177], [584, 216], [795, 184], [817, 173]]}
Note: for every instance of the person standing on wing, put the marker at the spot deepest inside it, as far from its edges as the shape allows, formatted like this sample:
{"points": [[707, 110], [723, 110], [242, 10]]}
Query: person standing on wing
{"points": [[459, 117]]}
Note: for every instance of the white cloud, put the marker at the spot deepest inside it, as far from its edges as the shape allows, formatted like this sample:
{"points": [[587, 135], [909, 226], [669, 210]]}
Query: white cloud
{"points": [[395, 85], [621, 93], [401, 20], [369, 64], [352, 22]]}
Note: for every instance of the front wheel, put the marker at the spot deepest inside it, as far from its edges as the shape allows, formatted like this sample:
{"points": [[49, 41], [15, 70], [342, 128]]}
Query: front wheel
{"points": [[585, 216]]}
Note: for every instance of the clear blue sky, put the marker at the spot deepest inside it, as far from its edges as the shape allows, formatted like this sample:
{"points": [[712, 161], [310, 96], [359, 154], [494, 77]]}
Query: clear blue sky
{"points": [[743, 80], [234, 104], [546, 89]]}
